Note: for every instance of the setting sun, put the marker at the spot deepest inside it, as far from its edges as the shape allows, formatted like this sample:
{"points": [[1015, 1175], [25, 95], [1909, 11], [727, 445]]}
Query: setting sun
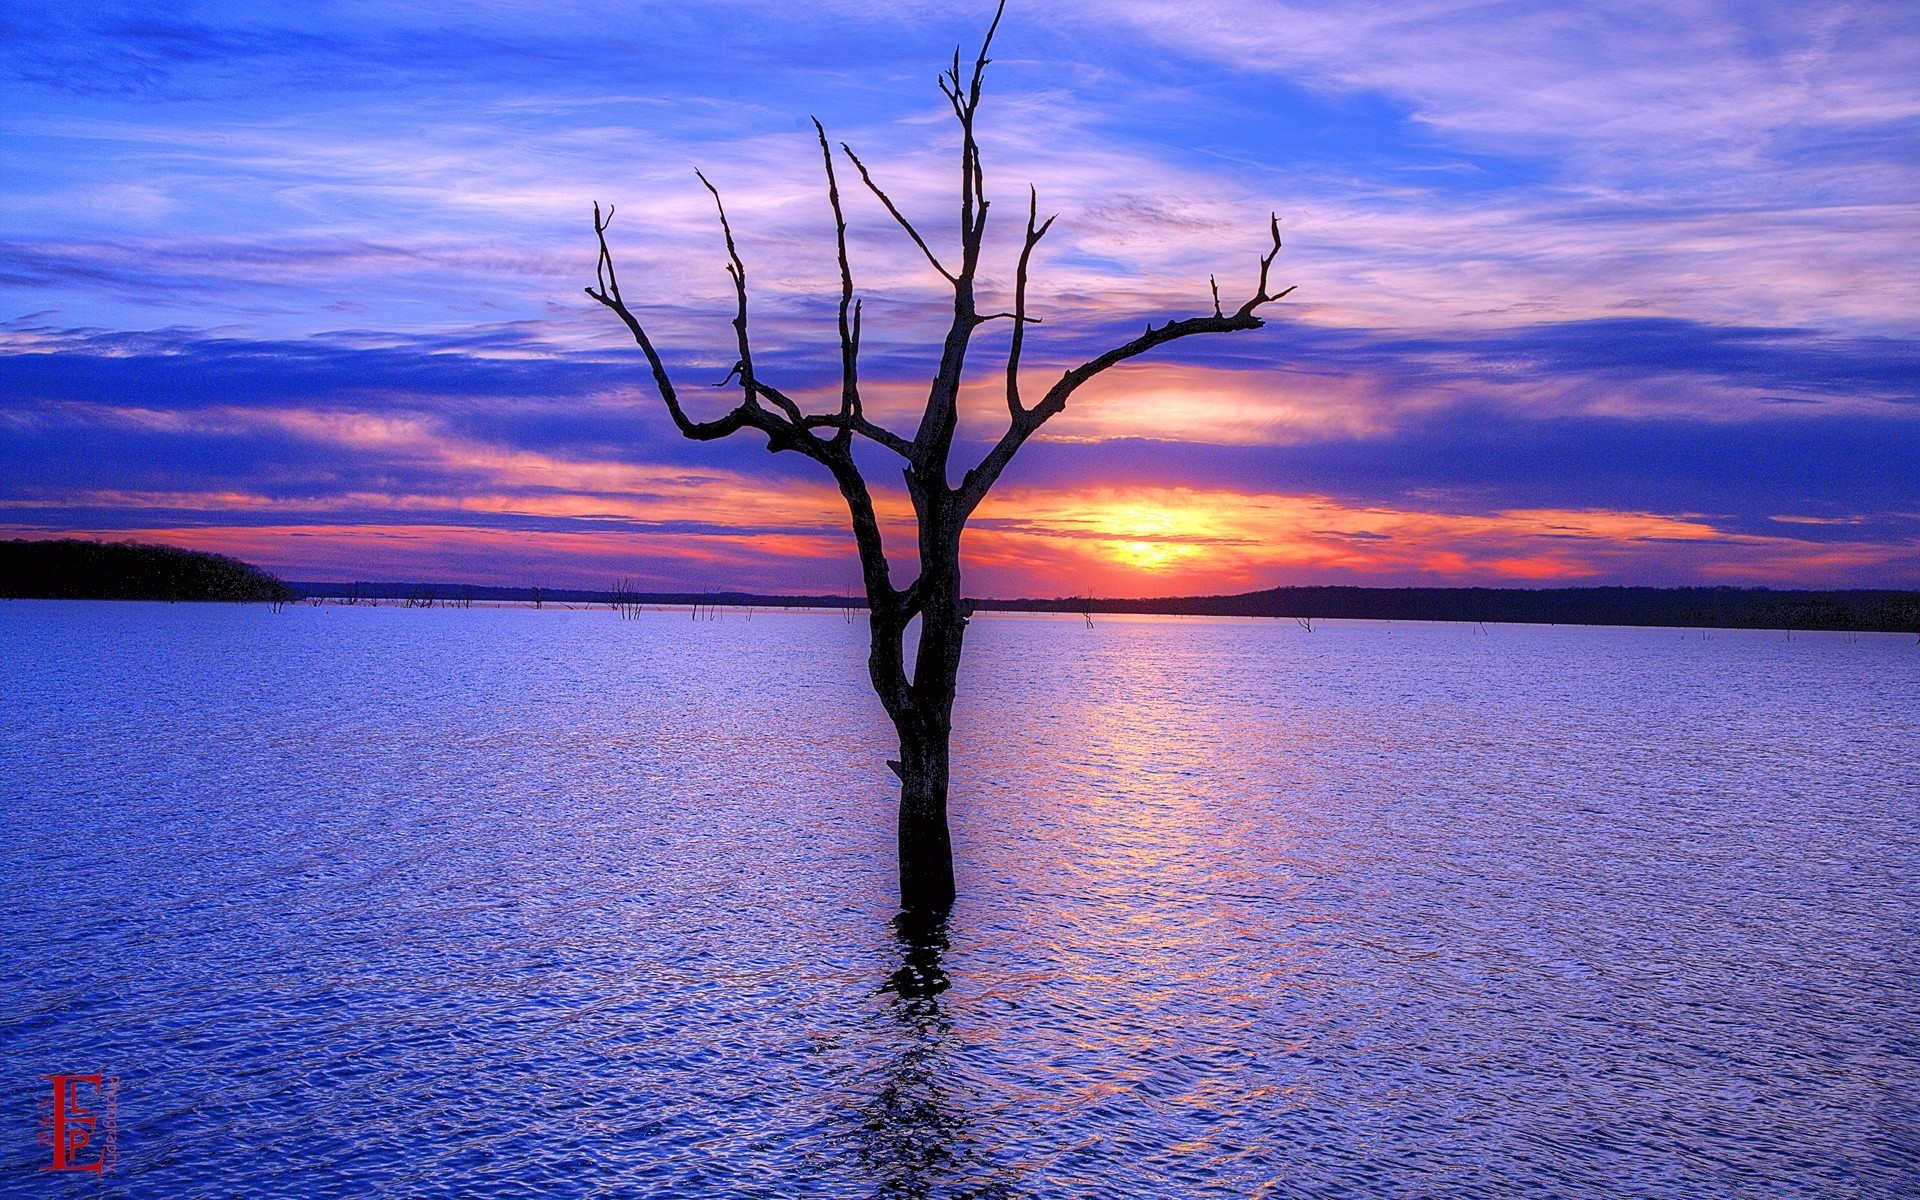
{"points": [[1150, 556], [1149, 538]]}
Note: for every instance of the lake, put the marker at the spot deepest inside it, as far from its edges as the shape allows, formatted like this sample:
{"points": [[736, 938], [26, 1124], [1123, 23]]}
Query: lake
{"points": [[503, 902]]}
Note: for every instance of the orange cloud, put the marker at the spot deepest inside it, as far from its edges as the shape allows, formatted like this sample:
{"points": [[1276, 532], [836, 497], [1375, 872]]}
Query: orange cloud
{"points": [[1025, 542], [1211, 405], [487, 513], [1140, 541]]}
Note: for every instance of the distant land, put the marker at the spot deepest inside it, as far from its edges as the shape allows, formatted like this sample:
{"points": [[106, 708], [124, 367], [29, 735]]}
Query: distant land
{"points": [[1856, 610], [75, 569]]}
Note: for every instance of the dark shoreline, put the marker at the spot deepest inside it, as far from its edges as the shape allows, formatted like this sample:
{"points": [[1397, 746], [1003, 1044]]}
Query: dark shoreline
{"points": [[1852, 610], [79, 569], [73, 569]]}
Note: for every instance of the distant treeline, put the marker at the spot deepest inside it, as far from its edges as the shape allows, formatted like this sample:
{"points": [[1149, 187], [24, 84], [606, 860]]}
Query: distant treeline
{"points": [[71, 569], [1714, 607], [458, 594]]}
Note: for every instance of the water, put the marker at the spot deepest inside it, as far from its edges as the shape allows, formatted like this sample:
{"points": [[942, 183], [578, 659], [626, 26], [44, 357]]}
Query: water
{"points": [[511, 903]]}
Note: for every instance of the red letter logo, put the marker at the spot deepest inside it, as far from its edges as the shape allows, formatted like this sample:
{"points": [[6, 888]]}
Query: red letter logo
{"points": [[73, 1127]]}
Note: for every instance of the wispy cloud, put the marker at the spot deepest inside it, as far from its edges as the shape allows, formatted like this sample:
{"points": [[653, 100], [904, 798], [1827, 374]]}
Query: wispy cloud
{"points": [[1148, 541], [1645, 263], [1194, 474]]}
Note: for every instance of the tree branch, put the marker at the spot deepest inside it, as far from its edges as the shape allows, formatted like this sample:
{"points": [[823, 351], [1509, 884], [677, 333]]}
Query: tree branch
{"points": [[973, 180], [899, 216], [973, 106], [1020, 320], [786, 432], [737, 271], [889, 608], [785, 403], [1025, 422], [849, 328], [865, 428], [607, 292], [933, 440], [1260, 295]]}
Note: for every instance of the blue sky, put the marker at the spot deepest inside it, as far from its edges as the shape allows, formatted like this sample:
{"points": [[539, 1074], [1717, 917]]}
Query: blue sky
{"points": [[1591, 293]]}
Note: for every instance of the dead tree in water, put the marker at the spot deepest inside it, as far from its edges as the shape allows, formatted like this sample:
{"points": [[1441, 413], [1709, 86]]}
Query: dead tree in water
{"points": [[625, 599], [921, 705]]}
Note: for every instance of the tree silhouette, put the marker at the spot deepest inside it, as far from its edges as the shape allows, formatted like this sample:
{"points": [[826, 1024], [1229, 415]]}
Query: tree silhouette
{"points": [[919, 704]]}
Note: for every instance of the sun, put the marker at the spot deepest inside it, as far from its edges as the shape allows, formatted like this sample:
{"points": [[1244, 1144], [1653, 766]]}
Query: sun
{"points": [[1149, 556], [1144, 537]]}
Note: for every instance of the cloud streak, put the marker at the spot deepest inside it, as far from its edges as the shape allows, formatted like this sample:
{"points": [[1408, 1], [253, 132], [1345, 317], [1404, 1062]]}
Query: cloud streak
{"points": [[1432, 467], [310, 276]]}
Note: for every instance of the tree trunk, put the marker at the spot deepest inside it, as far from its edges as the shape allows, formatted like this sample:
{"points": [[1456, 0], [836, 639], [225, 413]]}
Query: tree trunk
{"points": [[926, 733], [926, 848]]}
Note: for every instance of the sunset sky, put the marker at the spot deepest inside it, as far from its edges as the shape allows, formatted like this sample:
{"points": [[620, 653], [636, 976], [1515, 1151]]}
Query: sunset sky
{"points": [[1587, 293]]}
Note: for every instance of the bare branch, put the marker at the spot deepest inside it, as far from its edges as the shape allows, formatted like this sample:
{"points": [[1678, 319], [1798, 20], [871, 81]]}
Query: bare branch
{"points": [[785, 404], [865, 428], [737, 271], [973, 488], [905, 224], [1260, 295], [849, 339], [783, 432], [608, 294], [979, 180], [933, 440], [1034, 234], [603, 272], [973, 180], [986, 43], [952, 90]]}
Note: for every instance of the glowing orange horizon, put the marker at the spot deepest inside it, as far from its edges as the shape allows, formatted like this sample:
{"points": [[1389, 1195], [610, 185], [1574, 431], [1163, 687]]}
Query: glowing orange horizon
{"points": [[712, 531]]}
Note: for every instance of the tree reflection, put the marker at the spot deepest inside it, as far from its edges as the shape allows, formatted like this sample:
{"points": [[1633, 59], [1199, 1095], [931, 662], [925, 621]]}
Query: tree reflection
{"points": [[916, 1137]]}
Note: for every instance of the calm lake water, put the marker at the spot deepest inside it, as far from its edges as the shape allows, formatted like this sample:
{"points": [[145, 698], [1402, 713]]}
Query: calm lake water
{"points": [[510, 903]]}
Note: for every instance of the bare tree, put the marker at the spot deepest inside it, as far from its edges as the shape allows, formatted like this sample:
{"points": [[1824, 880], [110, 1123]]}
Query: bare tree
{"points": [[919, 704], [625, 599]]}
